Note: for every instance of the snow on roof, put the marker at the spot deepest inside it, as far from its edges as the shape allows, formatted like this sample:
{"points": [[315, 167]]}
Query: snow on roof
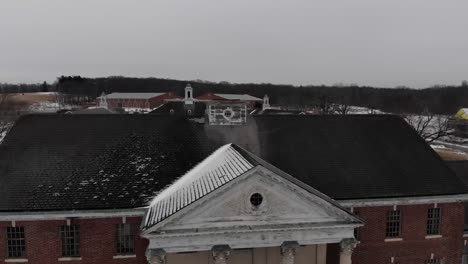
{"points": [[243, 97], [222, 166], [133, 95]]}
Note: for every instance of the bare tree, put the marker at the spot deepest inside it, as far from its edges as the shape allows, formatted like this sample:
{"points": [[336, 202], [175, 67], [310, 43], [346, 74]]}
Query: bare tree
{"points": [[341, 109], [429, 126]]}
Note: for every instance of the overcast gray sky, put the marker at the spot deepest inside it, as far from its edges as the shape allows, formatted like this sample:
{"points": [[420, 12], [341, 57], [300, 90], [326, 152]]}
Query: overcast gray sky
{"points": [[417, 43]]}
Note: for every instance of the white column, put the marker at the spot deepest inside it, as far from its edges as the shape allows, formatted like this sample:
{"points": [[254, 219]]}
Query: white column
{"points": [[156, 256], [220, 254], [288, 252], [347, 246]]}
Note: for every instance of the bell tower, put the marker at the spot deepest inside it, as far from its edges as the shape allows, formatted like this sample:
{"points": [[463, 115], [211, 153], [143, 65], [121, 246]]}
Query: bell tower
{"points": [[266, 102], [188, 94]]}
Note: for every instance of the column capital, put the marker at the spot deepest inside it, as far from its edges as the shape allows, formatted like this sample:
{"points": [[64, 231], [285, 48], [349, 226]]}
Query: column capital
{"points": [[347, 245], [288, 252], [156, 256], [220, 253], [289, 248]]}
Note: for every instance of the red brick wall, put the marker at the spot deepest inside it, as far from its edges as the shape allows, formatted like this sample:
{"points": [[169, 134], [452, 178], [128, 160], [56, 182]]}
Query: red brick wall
{"points": [[97, 238], [414, 248], [128, 103], [157, 101]]}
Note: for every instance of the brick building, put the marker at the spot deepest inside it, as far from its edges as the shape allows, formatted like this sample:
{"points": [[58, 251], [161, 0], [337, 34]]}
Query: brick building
{"points": [[133, 100], [274, 189], [251, 101]]}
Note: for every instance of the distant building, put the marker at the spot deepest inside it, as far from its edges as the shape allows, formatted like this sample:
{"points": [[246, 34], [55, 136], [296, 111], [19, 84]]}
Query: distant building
{"points": [[462, 114], [169, 103], [459, 123], [137, 101], [250, 101], [240, 104]]}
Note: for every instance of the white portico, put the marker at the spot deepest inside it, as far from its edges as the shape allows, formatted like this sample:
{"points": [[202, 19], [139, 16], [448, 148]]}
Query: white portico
{"points": [[236, 208]]}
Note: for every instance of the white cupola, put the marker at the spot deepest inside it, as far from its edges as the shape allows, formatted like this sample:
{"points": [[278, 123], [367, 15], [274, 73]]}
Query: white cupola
{"points": [[266, 102], [188, 94], [102, 100]]}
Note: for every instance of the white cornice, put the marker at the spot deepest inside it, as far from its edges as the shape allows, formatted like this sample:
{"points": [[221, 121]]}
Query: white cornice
{"points": [[58, 215], [404, 200]]}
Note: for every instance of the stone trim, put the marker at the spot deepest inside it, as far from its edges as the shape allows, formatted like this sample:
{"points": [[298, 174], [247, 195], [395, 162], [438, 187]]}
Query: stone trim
{"points": [[16, 260], [60, 215], [405, 200]]}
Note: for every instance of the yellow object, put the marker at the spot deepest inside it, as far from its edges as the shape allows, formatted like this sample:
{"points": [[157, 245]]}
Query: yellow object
{"points": [[462, 114]]}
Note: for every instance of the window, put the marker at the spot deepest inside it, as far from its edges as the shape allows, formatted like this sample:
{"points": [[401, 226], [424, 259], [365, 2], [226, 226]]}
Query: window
{"points": [[432, 261], [16, 243], [393, 223], [124, 239], [433, 221], [256, 199], [70, 236]]}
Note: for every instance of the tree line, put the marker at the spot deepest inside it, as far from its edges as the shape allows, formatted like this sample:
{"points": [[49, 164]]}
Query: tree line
{"points": [[436, 100]]}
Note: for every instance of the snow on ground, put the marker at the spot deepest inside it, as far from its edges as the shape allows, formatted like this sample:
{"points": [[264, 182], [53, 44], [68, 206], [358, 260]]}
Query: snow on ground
{"points": [[48, 107], [359, 110], [6, 127]]}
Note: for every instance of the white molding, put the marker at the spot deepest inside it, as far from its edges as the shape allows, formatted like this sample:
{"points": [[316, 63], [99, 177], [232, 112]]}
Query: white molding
{"points": [[124, 256], [69, 258], [63, 215], [395, 239], [16, 260], [432, 236], [439, 199], [194, 241]]}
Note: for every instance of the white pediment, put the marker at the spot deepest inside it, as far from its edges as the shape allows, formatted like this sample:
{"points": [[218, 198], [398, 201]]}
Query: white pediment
{"points": [[288, 212], [283, 203]]}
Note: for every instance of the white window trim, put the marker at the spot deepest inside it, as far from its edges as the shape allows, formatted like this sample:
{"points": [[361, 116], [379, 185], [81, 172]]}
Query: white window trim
{"points": [[393, 239], [69, 258], [432, 236], [16, 260], [124, 256]]}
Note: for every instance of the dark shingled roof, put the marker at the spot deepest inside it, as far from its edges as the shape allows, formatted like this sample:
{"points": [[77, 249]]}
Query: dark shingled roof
{"points": [[66, 162], [460, 167]]}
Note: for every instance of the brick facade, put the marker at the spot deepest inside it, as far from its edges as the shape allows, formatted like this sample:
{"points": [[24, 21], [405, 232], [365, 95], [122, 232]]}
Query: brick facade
{"points": [[97, 238], [414, 247], [149, 103], [97, 241]]}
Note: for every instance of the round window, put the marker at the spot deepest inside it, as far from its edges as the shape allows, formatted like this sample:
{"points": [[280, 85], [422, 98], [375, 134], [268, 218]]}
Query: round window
{"points": [[256, 199], [228, 113]]}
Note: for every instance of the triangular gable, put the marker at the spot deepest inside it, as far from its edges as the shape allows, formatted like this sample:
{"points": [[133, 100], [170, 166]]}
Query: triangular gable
{"points": [[221, 167], [283, 204]]}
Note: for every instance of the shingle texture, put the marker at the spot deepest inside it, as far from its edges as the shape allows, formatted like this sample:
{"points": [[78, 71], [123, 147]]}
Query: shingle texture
{"points": [[221, 167], [66, 162]]}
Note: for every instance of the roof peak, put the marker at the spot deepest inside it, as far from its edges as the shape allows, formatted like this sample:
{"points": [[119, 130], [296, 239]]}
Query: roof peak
{"points": [[220, 167]]}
